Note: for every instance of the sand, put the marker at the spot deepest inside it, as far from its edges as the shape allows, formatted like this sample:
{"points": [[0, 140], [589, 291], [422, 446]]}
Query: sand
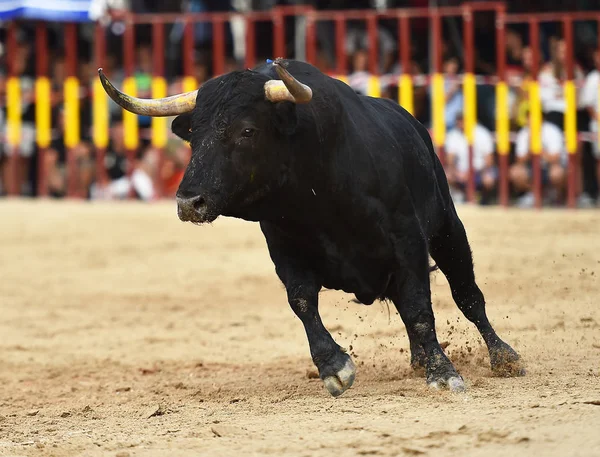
{"points": [[125, 332]]}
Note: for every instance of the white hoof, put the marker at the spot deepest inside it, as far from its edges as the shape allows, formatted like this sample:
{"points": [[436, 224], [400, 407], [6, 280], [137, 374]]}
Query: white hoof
{"points": [[454, 384], [338, 384]]}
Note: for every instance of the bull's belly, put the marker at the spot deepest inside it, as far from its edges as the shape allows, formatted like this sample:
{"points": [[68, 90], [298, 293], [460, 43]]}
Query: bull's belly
{"points": [[367, 279]]}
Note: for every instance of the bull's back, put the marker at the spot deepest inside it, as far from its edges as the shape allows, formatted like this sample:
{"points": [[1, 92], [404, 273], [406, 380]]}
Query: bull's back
{"points": [[404, 157]]}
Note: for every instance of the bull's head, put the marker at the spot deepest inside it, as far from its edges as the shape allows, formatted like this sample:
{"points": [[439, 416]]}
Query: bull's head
{"points": [[238, 126]]}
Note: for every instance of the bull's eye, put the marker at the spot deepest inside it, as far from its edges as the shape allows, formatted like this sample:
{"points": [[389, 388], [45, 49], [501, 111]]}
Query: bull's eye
{"points": [[248, 132]]}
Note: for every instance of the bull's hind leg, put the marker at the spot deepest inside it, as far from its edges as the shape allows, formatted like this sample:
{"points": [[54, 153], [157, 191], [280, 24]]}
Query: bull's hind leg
{"points": [[411, 294], [452, 253]]}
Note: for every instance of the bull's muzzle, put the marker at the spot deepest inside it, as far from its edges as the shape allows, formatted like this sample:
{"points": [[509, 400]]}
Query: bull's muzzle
{"points": [[193, 209]]}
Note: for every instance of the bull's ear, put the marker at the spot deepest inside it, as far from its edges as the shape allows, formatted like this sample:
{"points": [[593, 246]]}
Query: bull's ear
{"points": [[182, 126], [286, 118]]}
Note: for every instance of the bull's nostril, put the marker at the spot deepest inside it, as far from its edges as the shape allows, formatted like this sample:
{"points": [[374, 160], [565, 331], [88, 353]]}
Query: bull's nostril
{"points": [[200, 204]]}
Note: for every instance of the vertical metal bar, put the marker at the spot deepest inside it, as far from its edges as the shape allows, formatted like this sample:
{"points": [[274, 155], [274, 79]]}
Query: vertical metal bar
{"points": [[340, 46], [188, 49], [469, 88], [438, 92], [11, 49], [437, 40], [159, 90], [12, 173], [468, 37], [101, 136], [311, 39], [250, 43], [129, 49], [41, 70], [405, 85], [158, 49], [71, 73], [534, 38], [502, 115], [218, 46], [373, 45], [570, 125], [130, 121], [404, 25], [189, 81], [373, 86], [278, 33]]}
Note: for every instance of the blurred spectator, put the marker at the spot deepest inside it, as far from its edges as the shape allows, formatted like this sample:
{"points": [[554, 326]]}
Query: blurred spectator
{"points": [[554, 160], [452, 90], [177, 156], [357, 38], [144, 175], [588, 99], [551, 77], [514, 53], [56, 159], [457, 168], [120, 186], [3, 174], [359, 75], [115, 164], [143, 78], [26, 147], [520, 105]]}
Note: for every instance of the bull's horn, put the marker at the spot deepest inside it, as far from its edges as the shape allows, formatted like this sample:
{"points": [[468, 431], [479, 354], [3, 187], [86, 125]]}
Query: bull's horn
{"points": [[288, 89], [168, 106]]}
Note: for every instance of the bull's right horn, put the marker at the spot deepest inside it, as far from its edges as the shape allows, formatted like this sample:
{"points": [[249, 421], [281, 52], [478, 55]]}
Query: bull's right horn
{"points": [[288, 89], [168, 106]]}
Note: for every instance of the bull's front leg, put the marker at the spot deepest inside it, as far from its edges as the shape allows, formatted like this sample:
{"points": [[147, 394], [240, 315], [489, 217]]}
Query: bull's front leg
{"points": [[336, 368]]}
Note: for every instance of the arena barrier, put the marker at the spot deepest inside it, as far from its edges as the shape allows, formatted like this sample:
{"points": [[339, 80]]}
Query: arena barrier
{"points": [[74, 91]]}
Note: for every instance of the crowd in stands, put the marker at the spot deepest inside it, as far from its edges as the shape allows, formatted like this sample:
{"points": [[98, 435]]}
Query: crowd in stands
{"points": [[146, 173]]}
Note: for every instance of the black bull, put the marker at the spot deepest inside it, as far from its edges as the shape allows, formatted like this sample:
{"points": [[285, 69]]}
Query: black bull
{"points": [[349, 194]]}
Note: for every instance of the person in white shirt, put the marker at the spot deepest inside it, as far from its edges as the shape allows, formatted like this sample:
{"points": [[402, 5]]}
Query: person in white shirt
{"points": [[554, 161], [457, 152], [551, 78], [588, 98], [359, 78]]}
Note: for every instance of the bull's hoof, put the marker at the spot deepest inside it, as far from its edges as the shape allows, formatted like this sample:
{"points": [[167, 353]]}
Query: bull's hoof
{"points": [[441, 374], [338, 374], [453, 383], [505, 361]]}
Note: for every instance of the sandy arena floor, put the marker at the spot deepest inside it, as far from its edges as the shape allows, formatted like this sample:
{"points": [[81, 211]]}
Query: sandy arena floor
{"points": [[125, 332]]}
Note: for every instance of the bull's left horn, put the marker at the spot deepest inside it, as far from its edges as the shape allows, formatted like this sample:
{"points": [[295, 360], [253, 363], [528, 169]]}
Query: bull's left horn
{"points": [[168, 106], [288, 89]]}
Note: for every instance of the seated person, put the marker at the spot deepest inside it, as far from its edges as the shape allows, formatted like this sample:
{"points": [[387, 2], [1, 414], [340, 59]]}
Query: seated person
{"points": [[554, 159], [457, 154]]}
